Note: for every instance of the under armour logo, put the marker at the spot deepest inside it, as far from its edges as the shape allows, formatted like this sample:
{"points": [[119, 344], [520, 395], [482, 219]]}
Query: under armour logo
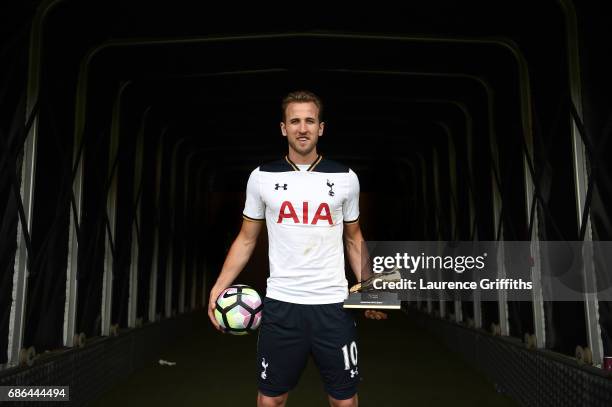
{"points": [[331, 186], [354, 372], [265, 366], [284, 186]]}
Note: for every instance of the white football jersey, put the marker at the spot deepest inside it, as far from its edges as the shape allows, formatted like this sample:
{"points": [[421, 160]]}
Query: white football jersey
{"points": [[304, 211]]}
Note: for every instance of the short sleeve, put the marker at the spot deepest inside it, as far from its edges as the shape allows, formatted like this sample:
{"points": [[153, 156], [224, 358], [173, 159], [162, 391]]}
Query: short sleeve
{"points": [[350, 208], [254, 207]]}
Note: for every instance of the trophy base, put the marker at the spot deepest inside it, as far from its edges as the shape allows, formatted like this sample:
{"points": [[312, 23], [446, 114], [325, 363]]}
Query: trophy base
{"points": [[373, 300]]}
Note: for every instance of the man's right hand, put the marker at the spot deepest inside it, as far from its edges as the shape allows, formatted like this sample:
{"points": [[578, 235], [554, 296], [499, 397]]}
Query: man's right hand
{"points": [[212, 300], [236, 259]]}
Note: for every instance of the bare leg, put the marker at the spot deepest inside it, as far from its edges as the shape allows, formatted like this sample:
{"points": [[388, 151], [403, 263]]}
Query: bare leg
{"points": [[352, 402], [278, 401]]}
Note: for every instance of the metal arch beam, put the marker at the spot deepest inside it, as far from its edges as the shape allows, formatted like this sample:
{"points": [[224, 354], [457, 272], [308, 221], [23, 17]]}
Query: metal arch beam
{"points": [[504, 43], [424, 184], [16, 327], [184, 253], [111, 214], [452, 164], [438, 204], [460, 106], [477, 304], [189, 186], [503, 303], [26, 191], [136, 222], [497, 209], [502, 297], [93, 52], [452, 161], [581, 177], [581, 181], [469, 134], [132, 303], [183, 265], [78, 160], [526, 122], [532, 218], [132, 291], [199, 201], [170, 257], [197, 186], [155, 261], [515, 51], [453, 184]]}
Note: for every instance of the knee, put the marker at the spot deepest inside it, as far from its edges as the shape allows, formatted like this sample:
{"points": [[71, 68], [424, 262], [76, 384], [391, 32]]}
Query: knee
{"points": [[266, 401], [352, 402]]}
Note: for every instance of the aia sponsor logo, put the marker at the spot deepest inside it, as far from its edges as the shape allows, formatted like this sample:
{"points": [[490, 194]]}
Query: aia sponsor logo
{"points": [[288, 214]]}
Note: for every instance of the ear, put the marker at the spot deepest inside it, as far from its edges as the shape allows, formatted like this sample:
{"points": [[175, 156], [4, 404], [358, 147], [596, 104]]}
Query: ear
{"points": [[283, 129], [321, 128]]}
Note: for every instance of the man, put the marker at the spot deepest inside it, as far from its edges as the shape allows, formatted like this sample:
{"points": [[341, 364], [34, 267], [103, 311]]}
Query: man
{"points": [[308, 204]]}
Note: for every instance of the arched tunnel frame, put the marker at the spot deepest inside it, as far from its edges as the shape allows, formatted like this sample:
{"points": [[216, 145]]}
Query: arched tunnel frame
{"points": [[581, 175]]}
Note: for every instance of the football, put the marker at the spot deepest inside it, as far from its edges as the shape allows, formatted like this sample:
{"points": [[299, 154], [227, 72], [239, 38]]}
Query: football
{"points": [[238, 309]]}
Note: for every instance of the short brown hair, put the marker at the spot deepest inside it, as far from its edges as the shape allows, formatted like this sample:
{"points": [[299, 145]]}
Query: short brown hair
{"points": [[302, 96]]}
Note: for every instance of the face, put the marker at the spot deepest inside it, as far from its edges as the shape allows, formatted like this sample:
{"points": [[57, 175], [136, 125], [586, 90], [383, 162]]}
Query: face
{"points": [[302, 127]]}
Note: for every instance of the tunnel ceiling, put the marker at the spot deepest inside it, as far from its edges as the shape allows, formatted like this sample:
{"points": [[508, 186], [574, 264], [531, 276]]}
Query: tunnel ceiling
{"points": [[220, 73], [398, 82]]}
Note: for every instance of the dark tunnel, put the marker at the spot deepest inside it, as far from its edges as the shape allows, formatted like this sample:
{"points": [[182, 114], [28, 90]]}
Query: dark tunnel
{"points": [[129, 131]]}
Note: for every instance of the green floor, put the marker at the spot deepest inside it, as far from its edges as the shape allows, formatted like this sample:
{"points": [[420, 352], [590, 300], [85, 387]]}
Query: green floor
{"points": [[399, 364]]}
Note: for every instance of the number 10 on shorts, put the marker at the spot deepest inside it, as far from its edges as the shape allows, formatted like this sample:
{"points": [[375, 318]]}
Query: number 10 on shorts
{"points": [[352, 353]]}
